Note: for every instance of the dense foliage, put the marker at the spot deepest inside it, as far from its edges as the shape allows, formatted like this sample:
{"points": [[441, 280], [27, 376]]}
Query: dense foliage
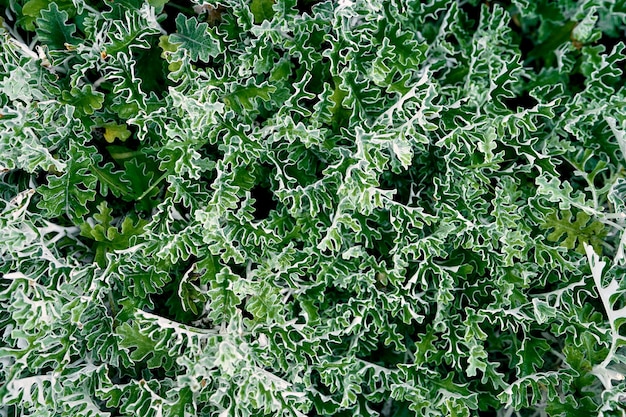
{"points": [[312, 208]]}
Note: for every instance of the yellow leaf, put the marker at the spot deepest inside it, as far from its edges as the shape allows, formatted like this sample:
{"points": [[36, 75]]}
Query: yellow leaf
{"points": [[114, 131]]}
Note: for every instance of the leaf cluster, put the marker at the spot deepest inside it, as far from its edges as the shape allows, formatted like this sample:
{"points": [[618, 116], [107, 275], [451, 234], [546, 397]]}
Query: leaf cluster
{"points": [[305, 207]]}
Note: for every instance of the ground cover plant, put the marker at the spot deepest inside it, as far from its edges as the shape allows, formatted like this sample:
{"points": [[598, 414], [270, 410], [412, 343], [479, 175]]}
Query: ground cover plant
{"points": [[312, 208]]}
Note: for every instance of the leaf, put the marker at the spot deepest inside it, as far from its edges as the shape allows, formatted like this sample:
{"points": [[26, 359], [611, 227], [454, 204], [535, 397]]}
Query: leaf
{"points": [[110, 237], [141, 346], [477, 360], [200, 40], [129, 97], [577, 232], [70, 192], [584, 30], [158, 3], [53, 29], [137, 279], [32, 10], [572, 406], [133, 29], [192, 298], [617, 195], [619, 133], [559, 35], [612, 296], [86, 100], [264, 305], [224, 297], [181, 407], [141, 175], [247, 97], [111, 180], [302, 207], [531, 356], [528, 391], [403, 151], [116, 131], [262, 10]]}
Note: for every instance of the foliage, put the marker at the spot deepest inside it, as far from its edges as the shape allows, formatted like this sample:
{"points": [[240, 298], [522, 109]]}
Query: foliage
{"points": [[303, 207]]}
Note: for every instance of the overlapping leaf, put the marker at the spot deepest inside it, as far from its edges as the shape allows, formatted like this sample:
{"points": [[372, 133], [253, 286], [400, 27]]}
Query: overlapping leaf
{"points": [[311, 207]]}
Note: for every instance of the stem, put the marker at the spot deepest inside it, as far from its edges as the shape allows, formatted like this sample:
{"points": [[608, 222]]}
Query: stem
{"points": [[92, 10], [18, 41], [620, 249], [15, 35], [145, 193], [23, 47], [612, 223]]}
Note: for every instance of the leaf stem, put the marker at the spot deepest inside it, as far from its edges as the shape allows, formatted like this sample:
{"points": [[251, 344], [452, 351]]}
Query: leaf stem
{"points": [[149, 190]]}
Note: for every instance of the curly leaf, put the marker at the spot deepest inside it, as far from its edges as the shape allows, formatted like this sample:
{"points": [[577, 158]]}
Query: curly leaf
{"points": [[70, 192], [85, 99], [53, 29], [200, 40], [116, 131], [573, 233]]}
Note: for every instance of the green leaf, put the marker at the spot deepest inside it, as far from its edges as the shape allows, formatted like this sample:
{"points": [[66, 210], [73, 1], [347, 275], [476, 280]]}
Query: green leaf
{"points": [[133, 30], [262, 10], [559, 35], [619, 133], [192, 298], [53, 29], [32, 9], [247, 98], [573, 233], [140, 345], [224, 297], [70, 192], [572, 406], [531, 355], [477, 360], [181, 407], [529, 391], [85, 99], [198, 39], [158, 4], [129, 97], [111, 180], [303, 207], [110, 237], [142, 177]]}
